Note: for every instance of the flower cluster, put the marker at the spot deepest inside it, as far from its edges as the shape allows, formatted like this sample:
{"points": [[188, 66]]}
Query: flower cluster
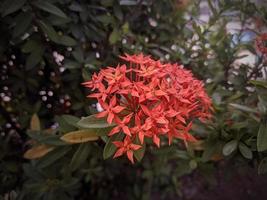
{"points": [[148, 99], [261, 43]]}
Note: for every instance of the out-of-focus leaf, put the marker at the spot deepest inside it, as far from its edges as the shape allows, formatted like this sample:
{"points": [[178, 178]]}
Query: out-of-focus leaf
{"points": [[53, 156], [34, 58], [67, 41], [48, 7], [23, 20], [70, 119], [46, 138], [262, 168], [243, 108], [64, 126], [30, 46], [9, 7], [262, 137], [230, 147], [128, 2], [259, 83], [110, 148], [245, 151], [71, 64], [93, 122], [49, 31], [35, 123], [114, 36], [37, 151], [80, 136], [80, 156], [193, 164]]}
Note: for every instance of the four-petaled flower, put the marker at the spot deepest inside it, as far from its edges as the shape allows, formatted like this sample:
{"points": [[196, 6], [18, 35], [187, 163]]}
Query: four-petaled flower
{"points": [[126, 147]]}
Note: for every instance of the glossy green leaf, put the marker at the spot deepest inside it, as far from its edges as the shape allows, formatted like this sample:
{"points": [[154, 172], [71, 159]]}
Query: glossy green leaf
{"points": [[110, 148], [93, 122], [230, 147], [262, 137], [48, 7]]}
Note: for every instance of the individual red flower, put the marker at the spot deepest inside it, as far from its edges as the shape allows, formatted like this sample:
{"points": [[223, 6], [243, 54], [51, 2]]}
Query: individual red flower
{"points": [[261, 43], [126, 147], [149, 100]]}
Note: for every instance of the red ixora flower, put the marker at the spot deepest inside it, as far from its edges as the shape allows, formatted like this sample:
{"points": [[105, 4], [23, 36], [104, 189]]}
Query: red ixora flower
{"points": [[147, 99], [261, 43]]}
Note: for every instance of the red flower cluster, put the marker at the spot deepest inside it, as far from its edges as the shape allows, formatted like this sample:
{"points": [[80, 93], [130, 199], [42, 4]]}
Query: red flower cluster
{"points": [[261, 43], [149, 99]]}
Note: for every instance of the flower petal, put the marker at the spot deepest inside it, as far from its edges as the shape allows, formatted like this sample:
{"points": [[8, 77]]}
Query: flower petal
{"points": [[130, 156]]}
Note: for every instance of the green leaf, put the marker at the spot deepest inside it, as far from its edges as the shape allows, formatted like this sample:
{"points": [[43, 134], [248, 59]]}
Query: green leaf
{"points": [[53, 156], [243, 108], [64, 126], [49, 31], [262, 137], [48, 7], [139, 154], [93, 122], [193, 164], [23, 21], [259, 83], [9, 7], [110, 148], [49, 139], [71, 64], [80, 156], [80, 136], [114, 36], [30, 46], [245, 151], [34, 58], [70, 119], [262, 168], [66, 40], [230, 147]]}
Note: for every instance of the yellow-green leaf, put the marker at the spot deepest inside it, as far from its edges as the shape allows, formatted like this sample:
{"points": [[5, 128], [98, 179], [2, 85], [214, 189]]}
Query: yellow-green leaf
{"points": [[35, 123], [37, 151], [80, 136]]}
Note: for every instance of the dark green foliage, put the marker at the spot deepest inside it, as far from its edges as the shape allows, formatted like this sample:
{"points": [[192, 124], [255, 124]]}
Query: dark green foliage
{"points": [[92, 34]]}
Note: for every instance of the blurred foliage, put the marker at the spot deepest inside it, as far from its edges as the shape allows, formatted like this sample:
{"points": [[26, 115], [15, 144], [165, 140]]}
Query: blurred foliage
{"points": [[48, 48]]}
